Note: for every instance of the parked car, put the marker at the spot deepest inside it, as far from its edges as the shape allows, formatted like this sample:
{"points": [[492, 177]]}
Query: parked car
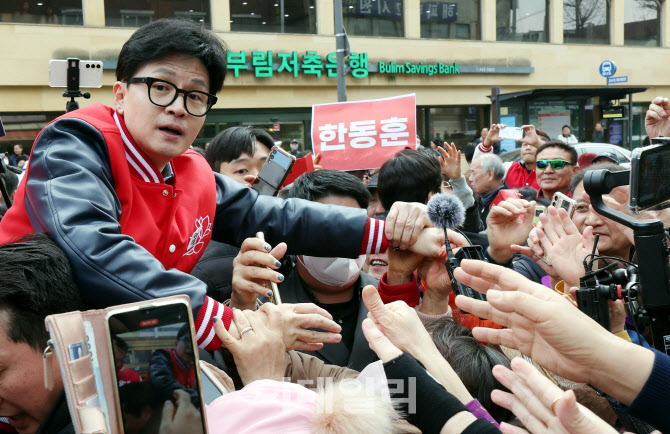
{"points": [[581, 148]]}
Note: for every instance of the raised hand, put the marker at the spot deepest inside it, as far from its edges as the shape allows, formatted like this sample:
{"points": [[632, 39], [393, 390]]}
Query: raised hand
{"points": [[250, 272], [450, 163], [256, 339], [656, 121], [530, 136], [546, 327], [297, 319], [508, 223], [565, 247], [404, 223], [540, 405]]}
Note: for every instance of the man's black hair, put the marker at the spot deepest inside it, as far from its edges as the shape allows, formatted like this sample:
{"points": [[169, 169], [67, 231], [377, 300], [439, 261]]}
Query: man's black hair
{"points": [[566, 126], [170, 36], [35, 281], [184, 330], [11, 181], [228, 145], [325, 183], [120, 342], [410, 176], [21, 158], [263, 137], [578, 177], [558, 144]]}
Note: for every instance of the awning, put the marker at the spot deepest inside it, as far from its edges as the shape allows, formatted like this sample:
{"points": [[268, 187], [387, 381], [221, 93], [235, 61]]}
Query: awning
{"points": [[605, 93]]}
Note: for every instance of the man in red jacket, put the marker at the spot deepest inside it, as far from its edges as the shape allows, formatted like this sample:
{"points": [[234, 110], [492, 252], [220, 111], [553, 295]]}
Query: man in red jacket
{"points": [[133, 209]]}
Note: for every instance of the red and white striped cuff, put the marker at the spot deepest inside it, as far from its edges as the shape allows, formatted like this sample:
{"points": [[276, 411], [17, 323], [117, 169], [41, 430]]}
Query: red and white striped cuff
{"points": [[204, 327], [374, 240], [485, 149]]}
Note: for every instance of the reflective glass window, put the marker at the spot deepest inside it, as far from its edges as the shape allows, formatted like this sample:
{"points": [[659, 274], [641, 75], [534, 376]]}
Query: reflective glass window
{"points": [[68, 12], [454, 19], [274, 16], [373, 17], [642, 22], [136, 13], [522, 20], [586, 21]]}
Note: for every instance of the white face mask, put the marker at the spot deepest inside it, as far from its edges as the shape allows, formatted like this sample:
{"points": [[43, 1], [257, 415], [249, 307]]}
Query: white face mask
{"points": [[294, 146], [333, 271]]}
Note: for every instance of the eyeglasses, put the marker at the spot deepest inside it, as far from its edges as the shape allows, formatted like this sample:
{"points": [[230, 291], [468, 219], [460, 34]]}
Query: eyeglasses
{"points": [[163, 93], [555, 164]]}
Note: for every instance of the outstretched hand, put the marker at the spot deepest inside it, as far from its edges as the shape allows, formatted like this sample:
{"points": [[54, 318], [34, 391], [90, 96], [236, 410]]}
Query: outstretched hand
{"points": [[540, 405], [508, 223]]}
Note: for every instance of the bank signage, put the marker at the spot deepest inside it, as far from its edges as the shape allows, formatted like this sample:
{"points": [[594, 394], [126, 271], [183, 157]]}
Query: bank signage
{"points": [[264, 64]]}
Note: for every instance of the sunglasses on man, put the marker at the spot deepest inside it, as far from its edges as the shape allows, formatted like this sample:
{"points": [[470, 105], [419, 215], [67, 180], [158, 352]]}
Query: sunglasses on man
{"points": [[555, 164]]}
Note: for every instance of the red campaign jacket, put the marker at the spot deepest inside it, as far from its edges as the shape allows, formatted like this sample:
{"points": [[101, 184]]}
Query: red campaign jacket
{"points": [[129, 236], [518, 177], [174, 227]]}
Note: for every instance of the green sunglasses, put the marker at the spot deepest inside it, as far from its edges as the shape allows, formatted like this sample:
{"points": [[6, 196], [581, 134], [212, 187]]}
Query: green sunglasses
{"points": [[555, 164]]}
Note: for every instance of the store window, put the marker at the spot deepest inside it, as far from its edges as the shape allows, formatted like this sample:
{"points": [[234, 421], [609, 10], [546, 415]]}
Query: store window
{"points": [[273, 16], [136, 13], [373, 17], [459, 19], [457, 124], [642, 22], [68, 12], [522, 20], [586, 22]]}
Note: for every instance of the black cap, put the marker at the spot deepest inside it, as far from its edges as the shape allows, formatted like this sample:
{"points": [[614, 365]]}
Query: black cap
{"points": [[294, 141], [609, 155]]}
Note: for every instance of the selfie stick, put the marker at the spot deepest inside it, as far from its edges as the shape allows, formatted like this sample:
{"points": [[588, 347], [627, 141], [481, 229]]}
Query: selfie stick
{"points": [[276, 298], [651, 250], [73, 91]]}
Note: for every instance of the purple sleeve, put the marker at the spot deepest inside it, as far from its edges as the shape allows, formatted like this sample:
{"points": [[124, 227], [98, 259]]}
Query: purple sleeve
{"points": [[480, 412]]}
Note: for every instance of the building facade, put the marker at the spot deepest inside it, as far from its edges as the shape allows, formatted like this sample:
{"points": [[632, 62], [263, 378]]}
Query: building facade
{"points": [[449, 53]]}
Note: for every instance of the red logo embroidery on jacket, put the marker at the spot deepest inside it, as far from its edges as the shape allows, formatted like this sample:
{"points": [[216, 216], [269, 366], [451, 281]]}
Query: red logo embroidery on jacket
{"points": [[202, 228]]}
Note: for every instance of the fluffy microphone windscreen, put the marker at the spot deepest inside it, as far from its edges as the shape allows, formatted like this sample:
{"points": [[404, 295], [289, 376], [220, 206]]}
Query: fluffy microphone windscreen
{"points": [[446, 211]]}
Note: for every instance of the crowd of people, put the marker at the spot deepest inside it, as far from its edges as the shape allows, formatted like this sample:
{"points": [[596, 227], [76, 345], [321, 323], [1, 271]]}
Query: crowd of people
{"points": [[369, 336]]}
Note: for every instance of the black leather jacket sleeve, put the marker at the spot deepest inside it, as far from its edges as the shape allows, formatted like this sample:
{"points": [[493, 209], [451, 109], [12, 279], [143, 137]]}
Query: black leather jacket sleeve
{"points": [[308, 228]]}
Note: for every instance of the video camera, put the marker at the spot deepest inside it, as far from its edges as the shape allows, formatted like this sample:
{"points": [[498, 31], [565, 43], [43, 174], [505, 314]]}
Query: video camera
{"points": [[645, 287]]}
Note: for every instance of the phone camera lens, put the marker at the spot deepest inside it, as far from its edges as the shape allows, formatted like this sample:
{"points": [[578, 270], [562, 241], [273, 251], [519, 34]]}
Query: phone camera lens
{"points": [[272, 157], [88, 66]]}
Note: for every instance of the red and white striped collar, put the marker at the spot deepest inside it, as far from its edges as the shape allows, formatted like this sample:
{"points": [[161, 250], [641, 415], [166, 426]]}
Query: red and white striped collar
{"points": [[138, 162]]}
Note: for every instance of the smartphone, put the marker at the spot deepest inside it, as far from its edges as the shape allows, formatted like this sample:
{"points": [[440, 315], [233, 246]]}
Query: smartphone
{"points": [[211, 386], [274, 172], [650, 176], [539, 209], [514, 133], [157, 343], [90, 73], [562, 201]]}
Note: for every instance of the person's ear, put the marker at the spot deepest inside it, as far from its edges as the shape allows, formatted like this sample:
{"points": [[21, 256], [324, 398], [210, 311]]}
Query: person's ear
{"points": [[575, 169], [429, 196], [120, 91]]}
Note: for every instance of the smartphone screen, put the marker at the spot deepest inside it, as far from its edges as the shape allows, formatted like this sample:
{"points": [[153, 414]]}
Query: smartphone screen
{"points": [[653, 186], [154, 355]]}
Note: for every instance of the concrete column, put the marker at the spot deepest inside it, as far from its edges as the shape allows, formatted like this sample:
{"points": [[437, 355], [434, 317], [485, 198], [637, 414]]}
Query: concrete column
{"points": [[488, 13], [617, 15], [556, 21], [412, 16], [94, 13], [220, 11], [325, 17]]}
